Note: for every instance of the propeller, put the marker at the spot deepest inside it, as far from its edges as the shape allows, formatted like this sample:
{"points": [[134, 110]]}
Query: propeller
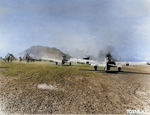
{"points": [[105, 52]]}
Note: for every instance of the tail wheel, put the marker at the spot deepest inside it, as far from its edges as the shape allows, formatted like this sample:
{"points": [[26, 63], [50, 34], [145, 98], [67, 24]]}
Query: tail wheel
{"points": [[119, 69], [95, 68], [87, 62]]}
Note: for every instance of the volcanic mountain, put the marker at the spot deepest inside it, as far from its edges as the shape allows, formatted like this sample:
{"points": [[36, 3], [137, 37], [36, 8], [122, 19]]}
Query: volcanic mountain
{"points": [[38, 52]]}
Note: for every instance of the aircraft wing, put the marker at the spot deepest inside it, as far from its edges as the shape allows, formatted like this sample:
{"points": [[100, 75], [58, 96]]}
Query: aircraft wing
{"points": [[78, 60], [137, 63], [131, 63], [97, 63], [103, 64], [120, 64], [52, 60]]}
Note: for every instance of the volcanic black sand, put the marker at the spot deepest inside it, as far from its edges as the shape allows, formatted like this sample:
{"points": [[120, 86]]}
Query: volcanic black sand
{"points": [[112, 93]]}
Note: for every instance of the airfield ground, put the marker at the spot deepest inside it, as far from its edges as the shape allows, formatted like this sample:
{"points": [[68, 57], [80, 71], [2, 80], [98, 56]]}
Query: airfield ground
{"points": [[72, 89]]}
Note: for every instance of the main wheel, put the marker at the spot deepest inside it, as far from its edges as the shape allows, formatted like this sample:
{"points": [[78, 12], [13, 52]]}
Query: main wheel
{"points": [[95, 68], [62, 63], [119, 69]]}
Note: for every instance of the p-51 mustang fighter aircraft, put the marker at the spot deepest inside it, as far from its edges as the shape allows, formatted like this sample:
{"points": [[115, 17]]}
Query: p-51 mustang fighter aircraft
{"points": [[28, 58], [9, 57], [107, 64], [68, 60]]}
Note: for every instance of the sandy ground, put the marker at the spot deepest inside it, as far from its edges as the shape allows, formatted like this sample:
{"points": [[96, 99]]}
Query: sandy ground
{"points": [[105, 93]]}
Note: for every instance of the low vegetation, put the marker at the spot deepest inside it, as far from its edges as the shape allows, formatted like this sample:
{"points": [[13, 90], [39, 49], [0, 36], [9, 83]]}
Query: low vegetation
{"points": [[76, 89], [41, 72], [20, 88]]}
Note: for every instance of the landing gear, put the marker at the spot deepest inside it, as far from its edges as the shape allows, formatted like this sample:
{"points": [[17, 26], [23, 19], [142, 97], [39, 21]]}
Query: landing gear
{"points": [[119, 69], [62, 62], [95, 68], [56, 63], [27, 60], [8, 60], [70, 63], [105, 68]]}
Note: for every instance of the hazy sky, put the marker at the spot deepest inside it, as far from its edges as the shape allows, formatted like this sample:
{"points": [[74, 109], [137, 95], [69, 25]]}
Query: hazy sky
{"points": [[77, 27]]}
